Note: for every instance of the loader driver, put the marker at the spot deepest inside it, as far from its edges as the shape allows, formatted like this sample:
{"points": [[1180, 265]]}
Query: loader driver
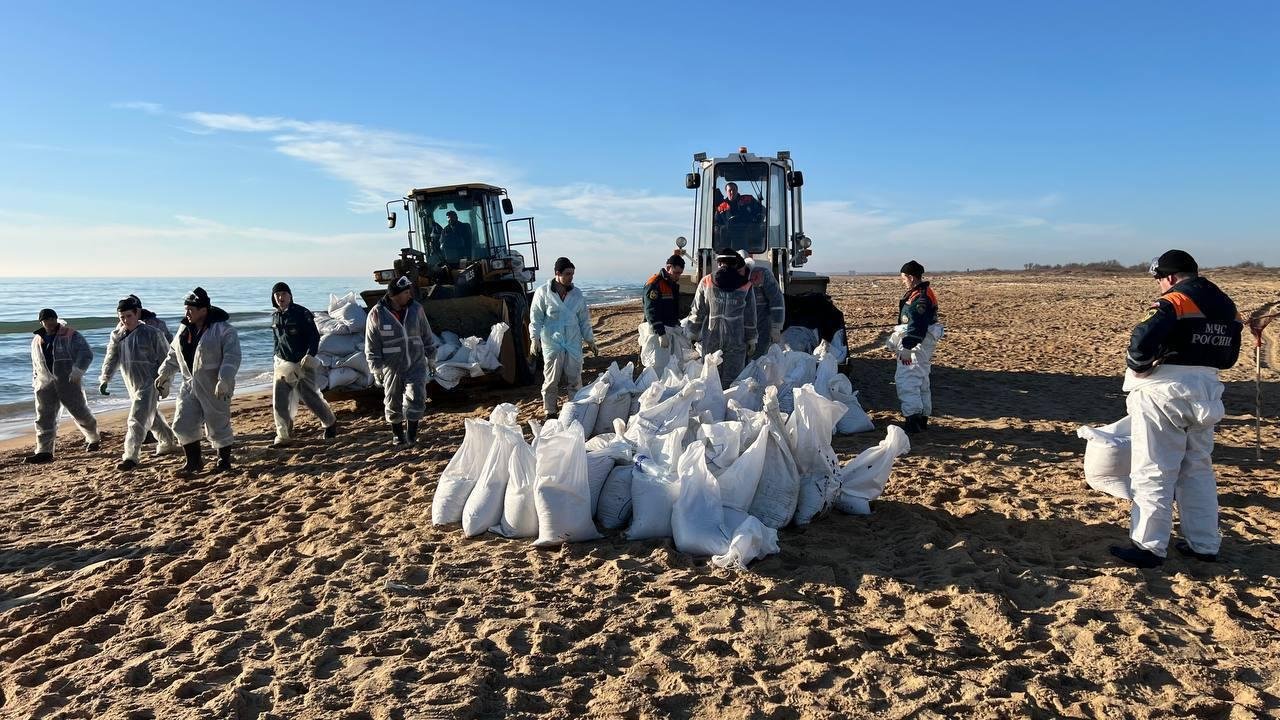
{"points": [[455, 239], [738, 209]]}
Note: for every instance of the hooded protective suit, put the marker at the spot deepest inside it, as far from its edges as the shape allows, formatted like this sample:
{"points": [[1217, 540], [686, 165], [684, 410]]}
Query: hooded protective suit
{"points": [[771, 306], [57, 383], [138, 355], [561, 326], [296, 339], [397, 347], [204, 400], [1189, 334], [723, 317], [159, 424]]}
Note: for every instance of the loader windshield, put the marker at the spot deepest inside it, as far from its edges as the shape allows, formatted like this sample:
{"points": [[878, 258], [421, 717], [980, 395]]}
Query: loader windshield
{"points": [[748, 207], [453, 230]]}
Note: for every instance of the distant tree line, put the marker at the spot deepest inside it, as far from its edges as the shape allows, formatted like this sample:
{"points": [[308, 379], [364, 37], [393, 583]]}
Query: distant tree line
{"points": [[1117, 266]]}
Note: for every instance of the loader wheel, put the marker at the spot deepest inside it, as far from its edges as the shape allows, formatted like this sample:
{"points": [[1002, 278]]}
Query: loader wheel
{"points": [[518, 311]]}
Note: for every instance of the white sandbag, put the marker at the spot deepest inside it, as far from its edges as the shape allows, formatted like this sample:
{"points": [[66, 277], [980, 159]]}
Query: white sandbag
{"points": [[483, 509], [328, 326], [863, 478], [800, 338], [562, 494], [642, 384], [617, 402], [658, 420], [460, 475], [356, 361], [747, 393], [679, 347], [519, 508], [778, 491], [486, 353], [1106, 457], [654, 488], [348, 311], [722, 441], [585, 406], [855, 419], [751, 540], [321, 375], [712, 399], [613, 508], [340, 377], [799, 369], [809, 429], [341, 345], [599, 464], [445, 352], [739, 482], [697, 520]]}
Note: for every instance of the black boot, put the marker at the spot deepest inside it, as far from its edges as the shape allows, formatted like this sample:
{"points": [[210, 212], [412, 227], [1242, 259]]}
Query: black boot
{"points": [[224, 460], [397, 429], [94, 446], [194, 462], [412, 438], [126, 465], [39, 458], [1137, 556], [913, 424], [331, 432]]}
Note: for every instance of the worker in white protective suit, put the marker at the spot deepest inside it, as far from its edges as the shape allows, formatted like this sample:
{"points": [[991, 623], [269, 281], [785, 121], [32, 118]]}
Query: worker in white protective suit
{"points": [[723, 315], [398, 344], [60, 356], [914, 341], [137, 350], [297, 341], [771, 306], [1189, 333], [559, 324], [160, 425], [207, 353]]}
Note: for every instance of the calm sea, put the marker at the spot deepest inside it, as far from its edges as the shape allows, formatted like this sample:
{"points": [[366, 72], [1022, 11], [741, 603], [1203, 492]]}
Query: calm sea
{"points": [[89, 306]]}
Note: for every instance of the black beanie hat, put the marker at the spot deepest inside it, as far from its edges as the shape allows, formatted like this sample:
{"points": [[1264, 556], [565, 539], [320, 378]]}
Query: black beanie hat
{"points": [[128, 303], [197, 298], [1173, 261], [563, 263], [281, 286], [676, 260], [47, 314], [912, 268], [400, 285]]}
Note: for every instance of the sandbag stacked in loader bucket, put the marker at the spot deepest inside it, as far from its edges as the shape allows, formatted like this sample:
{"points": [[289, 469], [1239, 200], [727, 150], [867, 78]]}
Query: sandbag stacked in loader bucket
{"points": [[817, 311]]}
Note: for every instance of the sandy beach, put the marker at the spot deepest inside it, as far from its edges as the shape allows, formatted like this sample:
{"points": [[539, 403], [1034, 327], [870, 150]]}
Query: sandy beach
{"points": [[311, 584]]}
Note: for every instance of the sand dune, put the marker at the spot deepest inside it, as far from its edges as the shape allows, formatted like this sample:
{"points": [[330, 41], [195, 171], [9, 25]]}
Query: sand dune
{"points": [[310, 583]]}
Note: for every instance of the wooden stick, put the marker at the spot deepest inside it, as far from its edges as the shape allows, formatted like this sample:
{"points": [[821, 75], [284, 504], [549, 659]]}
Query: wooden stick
{"points": [[1257, 390]]}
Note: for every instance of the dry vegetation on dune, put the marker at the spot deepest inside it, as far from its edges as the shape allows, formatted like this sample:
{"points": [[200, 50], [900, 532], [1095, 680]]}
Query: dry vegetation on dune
{"points": [[310, 584]]}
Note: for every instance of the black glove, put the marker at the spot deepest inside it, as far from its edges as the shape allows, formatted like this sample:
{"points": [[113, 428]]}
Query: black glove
{"points": [[659, 329], [909, 343]]}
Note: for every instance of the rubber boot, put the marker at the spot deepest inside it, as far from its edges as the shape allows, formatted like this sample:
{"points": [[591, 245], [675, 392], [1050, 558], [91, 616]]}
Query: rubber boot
{"points": [[127, 465], [39, 458], [224, 460], [194, 462], [914, 424], [331, 432], [397, 429], [412, 437]]}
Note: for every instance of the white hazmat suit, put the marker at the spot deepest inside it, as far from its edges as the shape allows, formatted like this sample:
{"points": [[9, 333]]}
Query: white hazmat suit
{"points": [[138, 356], [208, 383], [57, 384], [560, 326]]}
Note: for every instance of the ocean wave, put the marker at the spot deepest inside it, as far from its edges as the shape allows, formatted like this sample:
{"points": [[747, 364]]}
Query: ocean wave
{"points": [[100, 322]]}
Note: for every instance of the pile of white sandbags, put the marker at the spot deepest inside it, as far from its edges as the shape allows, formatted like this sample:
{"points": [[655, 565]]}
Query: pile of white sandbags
{"points": [[457, 358], [341, 353], [671, 454]]}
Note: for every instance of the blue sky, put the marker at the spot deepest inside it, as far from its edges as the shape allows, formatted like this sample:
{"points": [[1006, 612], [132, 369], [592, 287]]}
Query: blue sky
{"points": [[261, 138]]}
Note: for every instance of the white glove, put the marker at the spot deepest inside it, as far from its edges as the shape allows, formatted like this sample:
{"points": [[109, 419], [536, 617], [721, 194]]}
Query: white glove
{"points": [[162, 386], [775, 336], [309, 362], [224, 390], [76, 374], [535, 347], [905, 356], [595, 349]]}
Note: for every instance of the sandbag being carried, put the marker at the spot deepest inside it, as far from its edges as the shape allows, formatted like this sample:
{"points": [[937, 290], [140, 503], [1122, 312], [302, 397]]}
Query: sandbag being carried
{"points": [[751, 540], [1106, 457], [562, 495], [863, 478], [697, 519], [460, 475]]}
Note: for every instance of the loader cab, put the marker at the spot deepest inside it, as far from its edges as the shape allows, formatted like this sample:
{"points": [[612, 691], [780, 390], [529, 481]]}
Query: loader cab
{"points": [[747, 203]]}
